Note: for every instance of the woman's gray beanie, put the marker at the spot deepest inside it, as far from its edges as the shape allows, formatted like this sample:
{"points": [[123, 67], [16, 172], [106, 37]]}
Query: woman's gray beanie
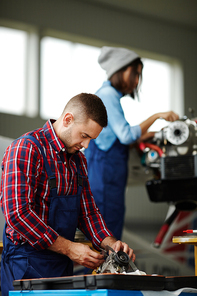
{"points": [[112, 59]]}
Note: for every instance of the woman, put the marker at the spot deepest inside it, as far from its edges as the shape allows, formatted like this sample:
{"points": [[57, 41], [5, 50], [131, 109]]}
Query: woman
{"points": [[107, 156]]}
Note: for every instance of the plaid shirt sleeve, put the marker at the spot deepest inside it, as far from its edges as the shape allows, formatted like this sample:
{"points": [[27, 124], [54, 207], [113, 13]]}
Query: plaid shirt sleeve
{"points": [[91, 222], [20, 173]]}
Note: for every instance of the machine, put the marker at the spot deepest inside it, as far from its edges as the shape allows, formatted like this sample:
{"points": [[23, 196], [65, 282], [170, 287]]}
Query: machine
{"points": [[117, 262], [172, 152], [172, 155]]}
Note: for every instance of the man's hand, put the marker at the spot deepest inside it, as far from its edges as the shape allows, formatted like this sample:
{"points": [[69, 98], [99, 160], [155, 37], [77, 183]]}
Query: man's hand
{"points": [[77, 252], [83, 255], [118, 246]]}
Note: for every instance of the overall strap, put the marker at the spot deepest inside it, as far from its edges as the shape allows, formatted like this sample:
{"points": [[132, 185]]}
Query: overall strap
{"points": [[51, 176], [79, 176]]}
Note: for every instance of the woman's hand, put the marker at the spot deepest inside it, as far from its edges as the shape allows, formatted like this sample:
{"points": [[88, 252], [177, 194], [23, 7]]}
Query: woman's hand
{"points": [[169, 116]]}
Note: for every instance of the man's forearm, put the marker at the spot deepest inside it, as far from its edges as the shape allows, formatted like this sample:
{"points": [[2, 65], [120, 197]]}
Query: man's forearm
{"points": [[78, 252], [109, 240], [61, 245], [64, 246]]}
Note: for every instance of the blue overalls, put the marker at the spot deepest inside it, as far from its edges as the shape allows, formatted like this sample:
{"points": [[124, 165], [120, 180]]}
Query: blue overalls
{"points": [[23, 261], [107, 172]]}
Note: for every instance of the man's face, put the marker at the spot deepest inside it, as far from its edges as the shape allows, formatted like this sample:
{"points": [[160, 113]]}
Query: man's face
{"points": [[78, 135]]}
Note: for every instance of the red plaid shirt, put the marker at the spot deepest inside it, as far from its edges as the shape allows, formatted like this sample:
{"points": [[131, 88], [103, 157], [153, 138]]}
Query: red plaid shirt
{"points": [[25, 192]]}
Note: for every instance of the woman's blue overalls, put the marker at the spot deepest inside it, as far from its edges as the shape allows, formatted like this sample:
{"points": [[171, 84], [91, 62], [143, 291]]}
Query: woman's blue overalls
{"points": [[23, 261], [107, 173]]}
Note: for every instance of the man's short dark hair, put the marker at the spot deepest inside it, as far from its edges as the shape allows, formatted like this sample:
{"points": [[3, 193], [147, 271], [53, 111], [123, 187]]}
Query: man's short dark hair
{"points": [[87, 106]]}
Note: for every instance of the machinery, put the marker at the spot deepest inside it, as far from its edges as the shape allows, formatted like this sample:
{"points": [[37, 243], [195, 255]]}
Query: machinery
{"points": [[117, 263], [172, 152], [172, 155]]}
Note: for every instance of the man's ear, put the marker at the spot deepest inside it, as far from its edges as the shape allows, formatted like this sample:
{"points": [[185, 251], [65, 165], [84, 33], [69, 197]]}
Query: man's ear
{"points": [[68, 119]]}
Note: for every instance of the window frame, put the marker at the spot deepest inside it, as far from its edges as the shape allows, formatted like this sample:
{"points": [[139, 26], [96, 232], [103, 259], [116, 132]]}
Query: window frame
{"points": [[33, 66]]}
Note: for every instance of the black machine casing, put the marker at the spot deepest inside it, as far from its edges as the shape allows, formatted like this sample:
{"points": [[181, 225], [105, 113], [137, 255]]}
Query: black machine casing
{"points": [[179, 167], [174, 190], [107, 281], [93, 282]]}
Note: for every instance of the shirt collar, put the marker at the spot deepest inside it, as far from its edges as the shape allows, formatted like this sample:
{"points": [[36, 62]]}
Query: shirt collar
{"points": [[52, 137], [108, 82]]}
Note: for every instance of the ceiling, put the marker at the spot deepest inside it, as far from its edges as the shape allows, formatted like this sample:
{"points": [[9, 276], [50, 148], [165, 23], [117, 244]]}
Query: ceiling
{"points": [[182, 12]]}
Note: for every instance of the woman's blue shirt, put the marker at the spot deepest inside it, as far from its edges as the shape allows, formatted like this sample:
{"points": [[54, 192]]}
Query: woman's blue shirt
{"points": [[117, 126]]}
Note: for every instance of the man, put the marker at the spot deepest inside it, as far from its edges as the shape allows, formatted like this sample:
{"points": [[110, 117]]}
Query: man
{"points": [[45, 195]]}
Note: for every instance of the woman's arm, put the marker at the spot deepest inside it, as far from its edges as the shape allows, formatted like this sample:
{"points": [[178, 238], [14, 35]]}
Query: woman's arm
{"points": [[168, 116]]}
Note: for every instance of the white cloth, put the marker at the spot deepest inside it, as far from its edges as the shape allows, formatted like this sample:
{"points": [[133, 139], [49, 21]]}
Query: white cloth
{"points": [[170, 293]]}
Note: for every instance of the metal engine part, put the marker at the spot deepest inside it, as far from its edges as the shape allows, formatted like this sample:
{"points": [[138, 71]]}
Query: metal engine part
{"points": [[177, 142], [177, 132], [117, 263], [178, 138]]}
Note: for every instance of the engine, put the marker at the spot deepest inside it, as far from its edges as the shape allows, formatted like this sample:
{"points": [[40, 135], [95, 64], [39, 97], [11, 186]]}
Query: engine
{"points": [[172, 155], [173, 150]]}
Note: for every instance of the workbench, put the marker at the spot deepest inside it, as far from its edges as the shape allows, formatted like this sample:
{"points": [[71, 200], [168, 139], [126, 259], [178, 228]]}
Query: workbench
{"points": [[1, 247], [106, 285], [190, 240], [99, 292]]}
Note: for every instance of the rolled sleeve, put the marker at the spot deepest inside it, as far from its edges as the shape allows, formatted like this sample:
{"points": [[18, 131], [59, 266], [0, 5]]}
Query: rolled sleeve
{"points": [[46, 240]]}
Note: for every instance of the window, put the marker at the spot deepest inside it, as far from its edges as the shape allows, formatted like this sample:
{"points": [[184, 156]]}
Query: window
{"points": [[155, 94], [67, 69], [12, 70], [70, 68]]}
